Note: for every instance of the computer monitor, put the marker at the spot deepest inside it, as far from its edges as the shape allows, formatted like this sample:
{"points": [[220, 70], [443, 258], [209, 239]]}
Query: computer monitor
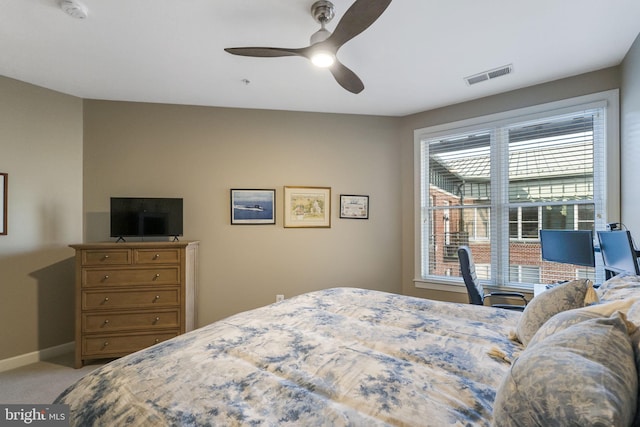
{"points": [[568, 247], [618, 253]]}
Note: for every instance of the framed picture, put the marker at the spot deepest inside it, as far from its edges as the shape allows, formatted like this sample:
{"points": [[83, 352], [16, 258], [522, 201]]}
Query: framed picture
{"points": [[4, 188], [354, 207], [307, 207], [253, 206]]}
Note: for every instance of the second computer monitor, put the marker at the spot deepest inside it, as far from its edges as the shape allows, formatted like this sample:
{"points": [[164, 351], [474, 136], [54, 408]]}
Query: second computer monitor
{"points": [[618, 253]]}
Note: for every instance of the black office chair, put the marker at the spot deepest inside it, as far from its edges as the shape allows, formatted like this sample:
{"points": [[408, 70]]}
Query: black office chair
{"points": [[474, 288]]}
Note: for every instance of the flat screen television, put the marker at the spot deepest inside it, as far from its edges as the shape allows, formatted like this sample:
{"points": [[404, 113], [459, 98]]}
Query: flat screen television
{"points": [[568, 247], [618, 252], [146, 217]]}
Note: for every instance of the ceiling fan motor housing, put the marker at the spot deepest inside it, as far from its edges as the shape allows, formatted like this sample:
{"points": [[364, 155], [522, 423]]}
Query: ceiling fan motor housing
{"points": [[323, 11]]}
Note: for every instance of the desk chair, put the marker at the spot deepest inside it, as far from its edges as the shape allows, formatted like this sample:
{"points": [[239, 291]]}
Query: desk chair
{"points": [[474, 288]]}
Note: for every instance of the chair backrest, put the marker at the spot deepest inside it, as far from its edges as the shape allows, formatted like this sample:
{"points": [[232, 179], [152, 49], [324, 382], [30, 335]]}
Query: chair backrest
{"points": [[468, 270]]}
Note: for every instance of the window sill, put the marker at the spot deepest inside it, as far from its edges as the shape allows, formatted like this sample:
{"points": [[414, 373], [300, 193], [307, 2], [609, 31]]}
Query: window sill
{"points": [[456, 286], [440, 285]]}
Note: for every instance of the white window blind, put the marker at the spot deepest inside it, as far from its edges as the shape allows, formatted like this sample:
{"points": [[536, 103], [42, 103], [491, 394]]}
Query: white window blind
{"points": [[494, 186]]}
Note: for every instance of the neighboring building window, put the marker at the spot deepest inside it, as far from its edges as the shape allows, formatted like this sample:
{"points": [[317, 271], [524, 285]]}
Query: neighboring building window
{"points": [[478, 221], [524, 222], [525, 273], [483, 271], [494, 185]]}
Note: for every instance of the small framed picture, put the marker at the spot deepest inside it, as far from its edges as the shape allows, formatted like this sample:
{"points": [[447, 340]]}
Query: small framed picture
{"points": [[4, 188], [307, 207], [253, 207], [354, 207]]}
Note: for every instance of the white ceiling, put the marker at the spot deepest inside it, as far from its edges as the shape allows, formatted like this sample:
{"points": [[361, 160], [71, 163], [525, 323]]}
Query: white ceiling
{"points": [[412, 59]]}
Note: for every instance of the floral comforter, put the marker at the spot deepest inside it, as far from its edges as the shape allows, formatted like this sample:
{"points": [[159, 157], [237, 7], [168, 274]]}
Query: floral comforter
{"points": [[338, 357]]}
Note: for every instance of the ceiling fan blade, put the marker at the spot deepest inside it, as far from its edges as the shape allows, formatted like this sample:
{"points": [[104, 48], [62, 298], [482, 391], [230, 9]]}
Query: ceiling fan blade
{"points": [[264, 52], [356, 19], [346, 78]]}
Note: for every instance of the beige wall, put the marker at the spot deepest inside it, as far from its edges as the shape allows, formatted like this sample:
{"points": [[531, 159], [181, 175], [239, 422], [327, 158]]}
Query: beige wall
{"points": [[199, 154], [630, 139], [566, 88], [41, 150]]}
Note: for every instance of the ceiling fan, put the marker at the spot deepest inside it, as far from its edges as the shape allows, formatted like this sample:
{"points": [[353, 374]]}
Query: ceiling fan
{"points": [[324, 44]]}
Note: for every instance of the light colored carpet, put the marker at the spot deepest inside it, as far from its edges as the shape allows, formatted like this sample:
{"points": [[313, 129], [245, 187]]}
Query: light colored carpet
{"points": [[41, 382]]}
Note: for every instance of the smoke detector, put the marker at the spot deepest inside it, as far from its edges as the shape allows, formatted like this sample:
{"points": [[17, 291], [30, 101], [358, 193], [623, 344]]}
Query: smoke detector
{"points": [[489, 75], [74, 8]]}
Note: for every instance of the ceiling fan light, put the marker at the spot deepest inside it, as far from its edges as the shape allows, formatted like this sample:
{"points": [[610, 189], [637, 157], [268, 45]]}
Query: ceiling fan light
{"points": [[323, 59]]}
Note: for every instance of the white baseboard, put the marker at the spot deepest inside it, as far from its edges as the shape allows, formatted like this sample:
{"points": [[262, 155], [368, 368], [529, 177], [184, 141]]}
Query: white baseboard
{"points": [[36, 356]]}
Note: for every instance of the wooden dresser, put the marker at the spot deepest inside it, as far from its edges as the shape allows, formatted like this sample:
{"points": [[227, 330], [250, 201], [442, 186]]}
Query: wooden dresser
{"points": [[131, 295]]}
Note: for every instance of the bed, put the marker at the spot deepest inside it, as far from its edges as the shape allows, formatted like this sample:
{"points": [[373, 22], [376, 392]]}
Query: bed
{"points": [[336, 357]]}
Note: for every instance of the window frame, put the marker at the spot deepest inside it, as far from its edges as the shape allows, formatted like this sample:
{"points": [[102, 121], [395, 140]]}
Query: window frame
{"points": [[611, 210]]}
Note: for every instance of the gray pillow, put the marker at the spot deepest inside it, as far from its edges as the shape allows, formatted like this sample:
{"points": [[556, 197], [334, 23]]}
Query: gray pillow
{"points": [[563, 297], [584, 375]]}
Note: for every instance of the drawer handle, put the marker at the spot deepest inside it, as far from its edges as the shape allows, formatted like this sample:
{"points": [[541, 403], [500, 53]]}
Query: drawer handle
{"points": [[156, 320], [106, 322], [105, 344], [156, 298], [106, 257], [157, 276], [157, 340], [156, 256], [106, 277], [106, 299]]}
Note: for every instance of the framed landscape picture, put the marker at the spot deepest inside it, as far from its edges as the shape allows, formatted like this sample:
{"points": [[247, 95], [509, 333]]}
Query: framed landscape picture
{"points": [[307, 207], [253, 207], [354, 207]]}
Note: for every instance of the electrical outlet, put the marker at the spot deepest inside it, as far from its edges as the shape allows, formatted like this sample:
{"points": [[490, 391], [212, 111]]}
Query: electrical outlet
{"points": [[279, 297]]}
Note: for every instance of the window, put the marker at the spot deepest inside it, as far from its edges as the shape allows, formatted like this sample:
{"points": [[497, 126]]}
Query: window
{"points": [[493, 184]]}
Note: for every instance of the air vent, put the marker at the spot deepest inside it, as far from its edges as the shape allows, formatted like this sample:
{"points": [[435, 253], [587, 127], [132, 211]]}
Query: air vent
{"points": [[489, 75]]}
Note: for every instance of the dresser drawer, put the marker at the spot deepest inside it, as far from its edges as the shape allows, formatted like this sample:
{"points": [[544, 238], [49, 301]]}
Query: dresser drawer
{"points": [[123, 321], [106, 257], [117, 345], [130, 298], [131, 276], [156, 256]]}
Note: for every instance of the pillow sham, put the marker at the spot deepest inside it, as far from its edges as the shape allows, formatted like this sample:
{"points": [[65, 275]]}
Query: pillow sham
{"points": [[621, 286], [563, 297], [564, 319], [584, 375], [633, 314]]}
